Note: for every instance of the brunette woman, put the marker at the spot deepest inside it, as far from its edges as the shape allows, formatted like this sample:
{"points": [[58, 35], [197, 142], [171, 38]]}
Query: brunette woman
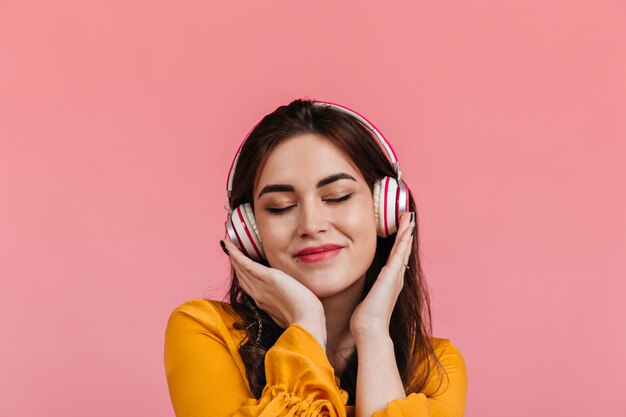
{"points": [[329, 313]]}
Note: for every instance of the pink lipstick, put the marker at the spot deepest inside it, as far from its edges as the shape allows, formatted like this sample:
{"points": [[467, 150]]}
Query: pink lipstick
{"points": [[318, 253]]}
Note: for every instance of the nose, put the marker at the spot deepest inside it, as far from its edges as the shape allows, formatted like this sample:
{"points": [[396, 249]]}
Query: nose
{"points": [[312, 219]]}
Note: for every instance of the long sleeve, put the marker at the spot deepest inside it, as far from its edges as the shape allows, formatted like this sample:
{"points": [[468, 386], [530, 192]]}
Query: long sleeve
{"points": [[206, 376], [437, 400]]}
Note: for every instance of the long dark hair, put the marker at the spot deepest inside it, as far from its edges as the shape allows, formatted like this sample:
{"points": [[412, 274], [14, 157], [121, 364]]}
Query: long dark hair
{"points": [[410, 327]]}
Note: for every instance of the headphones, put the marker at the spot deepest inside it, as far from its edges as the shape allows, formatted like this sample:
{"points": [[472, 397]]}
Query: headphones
{"points": [[391, 196]]}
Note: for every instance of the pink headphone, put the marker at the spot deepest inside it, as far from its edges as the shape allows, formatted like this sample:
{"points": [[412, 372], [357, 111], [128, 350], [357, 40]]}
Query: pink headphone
{"points": [[391, 197]]}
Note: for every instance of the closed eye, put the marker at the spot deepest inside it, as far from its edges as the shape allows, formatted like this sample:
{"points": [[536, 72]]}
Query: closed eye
{"points": [[281, 210], [340, 199]]}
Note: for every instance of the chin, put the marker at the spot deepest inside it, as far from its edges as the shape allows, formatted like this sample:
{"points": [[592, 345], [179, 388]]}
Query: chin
{"points": [[324, 286]]}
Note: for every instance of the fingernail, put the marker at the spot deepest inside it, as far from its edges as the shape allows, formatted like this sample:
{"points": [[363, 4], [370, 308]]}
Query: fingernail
{"points": [[412, 216], [224, 247], [412, 230]]}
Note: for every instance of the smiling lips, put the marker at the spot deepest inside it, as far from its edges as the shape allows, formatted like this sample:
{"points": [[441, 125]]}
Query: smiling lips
{"points": [[318, 253]]}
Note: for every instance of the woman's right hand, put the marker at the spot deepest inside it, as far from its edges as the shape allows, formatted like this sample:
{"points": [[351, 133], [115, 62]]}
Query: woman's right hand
{"points": [[285, 299]]}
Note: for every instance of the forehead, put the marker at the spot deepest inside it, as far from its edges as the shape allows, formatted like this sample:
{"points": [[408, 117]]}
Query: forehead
{"points": [[304, 160]]}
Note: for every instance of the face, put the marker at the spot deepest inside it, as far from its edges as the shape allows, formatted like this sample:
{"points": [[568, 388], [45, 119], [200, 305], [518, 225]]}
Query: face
{"points": [[315, 215]]}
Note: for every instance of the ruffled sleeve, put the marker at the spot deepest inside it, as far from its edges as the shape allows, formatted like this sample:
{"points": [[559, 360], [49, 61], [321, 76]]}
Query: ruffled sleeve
{"points": [[443, 396], [300, 380], [206, 376]]}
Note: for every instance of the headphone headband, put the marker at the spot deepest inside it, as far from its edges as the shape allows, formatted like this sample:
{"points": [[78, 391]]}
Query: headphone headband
{"points": [[382, 142]]}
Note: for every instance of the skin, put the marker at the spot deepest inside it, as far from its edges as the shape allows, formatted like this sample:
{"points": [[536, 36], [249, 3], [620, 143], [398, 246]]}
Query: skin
{"points": [[324, 297]]}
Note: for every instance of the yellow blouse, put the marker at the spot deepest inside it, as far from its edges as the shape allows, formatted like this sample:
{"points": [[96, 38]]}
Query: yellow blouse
{"points": [[207, 377]]}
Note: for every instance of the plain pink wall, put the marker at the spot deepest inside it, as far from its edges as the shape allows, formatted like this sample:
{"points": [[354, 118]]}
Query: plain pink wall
{"points": [[119, 119]]}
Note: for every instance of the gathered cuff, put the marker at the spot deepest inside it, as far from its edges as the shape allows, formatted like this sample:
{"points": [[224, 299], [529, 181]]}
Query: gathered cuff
{"points": [[300, 379]]}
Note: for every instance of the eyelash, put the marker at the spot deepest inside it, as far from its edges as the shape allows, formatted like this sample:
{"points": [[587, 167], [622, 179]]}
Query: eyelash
{"points": [[279, 211]]}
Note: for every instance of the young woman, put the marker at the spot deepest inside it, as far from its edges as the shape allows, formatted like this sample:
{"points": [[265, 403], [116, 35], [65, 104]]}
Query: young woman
{"points": [[329, 312]]}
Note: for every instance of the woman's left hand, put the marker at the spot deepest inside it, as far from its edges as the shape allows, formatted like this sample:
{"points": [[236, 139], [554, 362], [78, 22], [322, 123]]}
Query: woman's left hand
{"points": [[372, 316]]}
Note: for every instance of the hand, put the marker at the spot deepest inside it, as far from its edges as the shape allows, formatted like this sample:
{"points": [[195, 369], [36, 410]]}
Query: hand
{"points": [[285, 299], [373, 314]]}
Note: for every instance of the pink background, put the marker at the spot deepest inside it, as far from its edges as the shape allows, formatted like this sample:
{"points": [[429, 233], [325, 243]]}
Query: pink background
{"points": [[119, 119]]}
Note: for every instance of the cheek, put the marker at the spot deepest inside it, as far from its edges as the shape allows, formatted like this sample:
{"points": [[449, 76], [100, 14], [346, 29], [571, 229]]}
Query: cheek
{"points": [[369, 239], [362, 215], [274, 237], [369, 225], [361, 225]]}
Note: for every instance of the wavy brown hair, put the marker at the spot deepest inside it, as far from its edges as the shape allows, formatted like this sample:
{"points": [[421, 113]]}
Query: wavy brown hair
{"points": [[410, 326]]}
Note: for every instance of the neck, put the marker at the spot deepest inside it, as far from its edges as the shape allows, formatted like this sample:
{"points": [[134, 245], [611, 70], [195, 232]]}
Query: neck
{"points": [[338, 310]]}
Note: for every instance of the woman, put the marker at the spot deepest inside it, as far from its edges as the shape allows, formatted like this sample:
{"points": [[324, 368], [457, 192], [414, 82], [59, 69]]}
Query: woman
{"points": [[329, 312]]}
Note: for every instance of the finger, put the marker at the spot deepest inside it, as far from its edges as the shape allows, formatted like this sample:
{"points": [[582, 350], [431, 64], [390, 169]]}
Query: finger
{"points": [[244, 281], [405, 222], [243, 277], [409, 246], [391, 276], [398, 253], [407, 254], [251, 268]]}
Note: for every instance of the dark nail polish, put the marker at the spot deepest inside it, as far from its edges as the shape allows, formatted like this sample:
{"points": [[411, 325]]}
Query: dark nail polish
{"points": [[224, 247], [412, 230]]}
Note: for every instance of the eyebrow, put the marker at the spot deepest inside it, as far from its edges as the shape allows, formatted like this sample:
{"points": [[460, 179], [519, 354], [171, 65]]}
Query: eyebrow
{"points": [[281, 188]]}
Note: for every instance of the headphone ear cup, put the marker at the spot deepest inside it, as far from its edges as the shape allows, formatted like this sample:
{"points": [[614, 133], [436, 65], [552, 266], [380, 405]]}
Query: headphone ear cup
{"points": [[391, 200], [243, 232], [377, 216]]}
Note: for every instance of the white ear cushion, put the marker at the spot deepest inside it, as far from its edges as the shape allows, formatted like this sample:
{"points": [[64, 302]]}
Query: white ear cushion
{"points": [[403, 199], [389, 188], [252, 223], [243, 231], [378, 209]]}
